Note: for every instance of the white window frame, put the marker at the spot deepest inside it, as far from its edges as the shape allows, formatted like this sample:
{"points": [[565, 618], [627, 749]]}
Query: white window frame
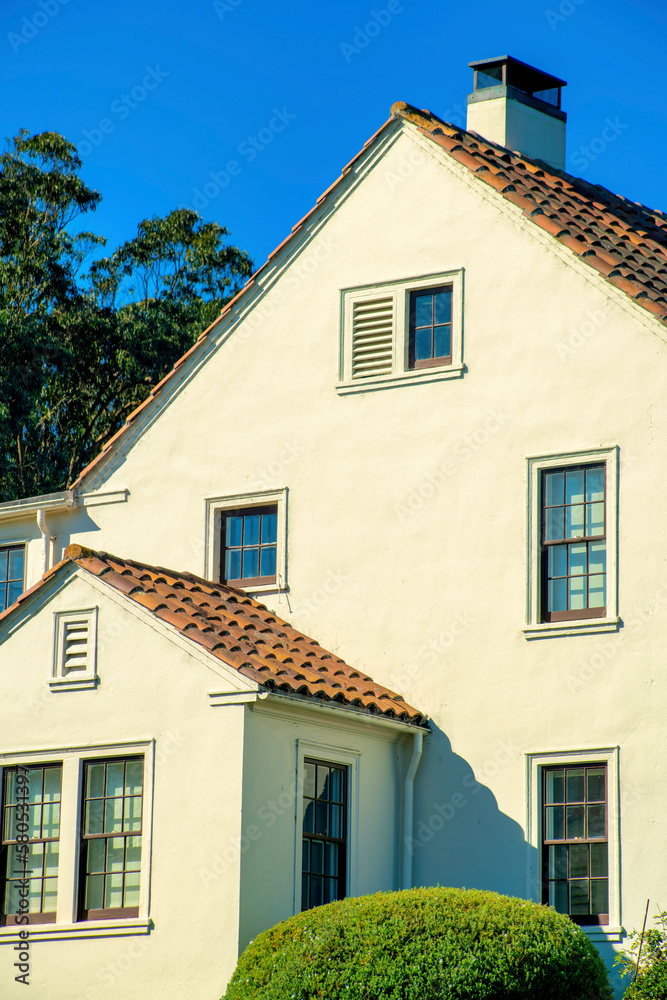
{"points": [[76, 680], [400, 373], [265, 498], [534, 628], [15, 543], [535, 764], [351, 760], [72, 762]]}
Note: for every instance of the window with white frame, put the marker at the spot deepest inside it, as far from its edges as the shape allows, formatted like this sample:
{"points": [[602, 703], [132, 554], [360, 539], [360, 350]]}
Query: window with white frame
{"points": [[327, 818], [246, 540], [12, 574], [74, 649], [572, 543], [401, 331], [573, 824], [89, 804]]}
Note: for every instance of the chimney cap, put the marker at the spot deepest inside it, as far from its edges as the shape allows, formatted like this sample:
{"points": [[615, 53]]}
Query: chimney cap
{"points": [[508, 72]]}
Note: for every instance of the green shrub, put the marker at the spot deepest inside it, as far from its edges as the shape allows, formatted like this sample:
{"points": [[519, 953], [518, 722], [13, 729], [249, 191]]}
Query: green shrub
{"points": [[422, 944], [651, 981]]}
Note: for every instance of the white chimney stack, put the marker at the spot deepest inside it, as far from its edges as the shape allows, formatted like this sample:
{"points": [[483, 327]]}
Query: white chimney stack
{"points": [[518, 107]]}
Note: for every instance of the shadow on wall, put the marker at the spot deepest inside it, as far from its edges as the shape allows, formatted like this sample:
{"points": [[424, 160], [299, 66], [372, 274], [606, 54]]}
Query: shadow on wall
{"points": [[462, 839]]}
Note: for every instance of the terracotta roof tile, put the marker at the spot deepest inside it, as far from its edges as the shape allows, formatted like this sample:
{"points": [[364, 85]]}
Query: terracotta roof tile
{"points": [[239, 631]]}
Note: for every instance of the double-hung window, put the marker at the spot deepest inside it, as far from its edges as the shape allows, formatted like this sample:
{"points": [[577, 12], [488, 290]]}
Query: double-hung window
{"points": [[325, 823], [249, 542], [575, 852], [12, 560], [430, 327]]}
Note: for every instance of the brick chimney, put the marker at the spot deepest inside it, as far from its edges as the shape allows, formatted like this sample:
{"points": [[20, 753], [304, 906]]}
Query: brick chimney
{"points": [[518, 107]]}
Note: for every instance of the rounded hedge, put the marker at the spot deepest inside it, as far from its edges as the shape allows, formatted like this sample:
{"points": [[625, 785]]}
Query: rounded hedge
{"points": [[423, 944]]}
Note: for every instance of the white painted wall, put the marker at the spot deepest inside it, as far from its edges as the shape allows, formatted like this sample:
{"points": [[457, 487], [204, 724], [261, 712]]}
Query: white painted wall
{"points": [[520, 127]]}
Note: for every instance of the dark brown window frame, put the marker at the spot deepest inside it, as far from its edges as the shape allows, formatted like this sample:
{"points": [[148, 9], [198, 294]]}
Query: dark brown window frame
{"points": [[585, 920], [41, 917], [247, 581], [578, 613], [434, 361], [106, 913], [4, 585], [341, 842]]}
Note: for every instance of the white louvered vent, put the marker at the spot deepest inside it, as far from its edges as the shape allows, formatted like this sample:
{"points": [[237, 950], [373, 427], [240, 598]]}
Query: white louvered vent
{"points": [[372, 337], [75, 645]]}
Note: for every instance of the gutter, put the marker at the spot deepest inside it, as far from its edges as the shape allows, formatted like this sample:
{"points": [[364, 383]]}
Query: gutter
{"points": [[409, 811], [31, 505]]}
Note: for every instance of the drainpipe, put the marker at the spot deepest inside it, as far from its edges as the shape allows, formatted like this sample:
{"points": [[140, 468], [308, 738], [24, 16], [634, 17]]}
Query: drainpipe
{"points": [[46, 540], [408, 819]]}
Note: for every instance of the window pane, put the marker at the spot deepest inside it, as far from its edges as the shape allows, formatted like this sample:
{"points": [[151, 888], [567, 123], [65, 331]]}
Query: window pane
{"points": [[95, 856], [554, 823], [51, 819], [574, 822], [337, 785], [336, 821], [132, 853], [131, 889], [600, 896], [598, 860], [553, 488], [4, 564], [423, 344], [50, 899], [557, 597], [331, 890], [132, 818], [553, 528], [558, 896], [555, 782], [595, 519], [557, 560], [34, 788], [579, 898], [113, 815], [574, 486], [233, 564], [309, 779], [577, 559], [305, 854], [250, 563], [94, 814], [51, 784], [597, 592], [134, 772], [35, 895], [317, 856], [594, 484], [35, 859], [268, 561], [269, 527], [251, 529], [596, 821], [578, 860], [35, 821], [443, 306], [316, 890], [595, 784], [113, 891], [15, 564], [574, 781], [424, 309], [558, 861], [331, 859], [94, 892], [14, 591], [115, 778], [321, 818], [234, 530], [574, 521], [442, 341], [115, 854], [309, 818], [577, 593], [597, 557], [95, 780], [321, 787]]}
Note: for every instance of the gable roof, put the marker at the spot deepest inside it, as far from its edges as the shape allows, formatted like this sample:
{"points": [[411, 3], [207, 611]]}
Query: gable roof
{"points": [[239, 631], [623, 240]]}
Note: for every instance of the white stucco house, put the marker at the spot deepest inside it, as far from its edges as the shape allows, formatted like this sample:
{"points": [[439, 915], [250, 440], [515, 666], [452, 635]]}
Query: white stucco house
{"points": [[429, 431]]}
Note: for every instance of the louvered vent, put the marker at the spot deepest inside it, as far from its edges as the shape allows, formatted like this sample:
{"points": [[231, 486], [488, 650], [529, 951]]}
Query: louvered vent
{"points": [[75, 649], [372, 337]]}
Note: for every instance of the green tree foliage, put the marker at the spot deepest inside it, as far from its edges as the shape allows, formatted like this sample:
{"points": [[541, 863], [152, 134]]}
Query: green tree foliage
{"points": [[650, 981], [423, 944], [78, 352]]}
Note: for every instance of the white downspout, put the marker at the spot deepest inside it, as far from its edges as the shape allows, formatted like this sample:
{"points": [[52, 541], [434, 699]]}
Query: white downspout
{"points": [[408, 817], [46, 540]]}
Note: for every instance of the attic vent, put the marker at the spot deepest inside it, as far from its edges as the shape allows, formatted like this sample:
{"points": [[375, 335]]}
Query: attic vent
{"points": [[372, 337], [75, 651]]}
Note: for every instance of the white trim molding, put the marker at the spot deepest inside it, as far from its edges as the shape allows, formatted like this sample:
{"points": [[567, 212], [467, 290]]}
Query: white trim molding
{"points": [[264, 498], [535, 764], [399, 293], [534, 627], [351, 760]]}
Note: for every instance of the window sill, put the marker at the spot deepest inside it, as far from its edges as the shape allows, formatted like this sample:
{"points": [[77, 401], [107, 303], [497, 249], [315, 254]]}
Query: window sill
{"points": [[75, 684], [262, 588], [411, 376], [581, 626], [88, 929], [604, 933]]}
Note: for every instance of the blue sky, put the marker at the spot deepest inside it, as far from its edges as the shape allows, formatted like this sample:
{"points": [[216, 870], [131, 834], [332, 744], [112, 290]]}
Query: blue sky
{"points": [[257, 105]]}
